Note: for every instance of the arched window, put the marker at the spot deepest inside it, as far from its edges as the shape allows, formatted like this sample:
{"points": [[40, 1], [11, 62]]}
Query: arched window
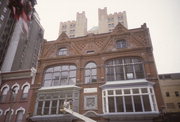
{"points": [[8, 116], [121, 44], [124, 69], [25, 92], [4, 94], [90, 72], [63, 51], [14, 92], [19, 117], [60, 75]]}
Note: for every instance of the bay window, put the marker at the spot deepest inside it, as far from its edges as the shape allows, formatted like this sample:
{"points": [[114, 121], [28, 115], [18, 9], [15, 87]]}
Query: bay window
{"points": [[127, 100]]}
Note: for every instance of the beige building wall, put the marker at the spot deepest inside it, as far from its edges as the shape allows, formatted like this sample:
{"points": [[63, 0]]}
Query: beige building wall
{"points": [[75, 28], [170, 87], [107, 22]]}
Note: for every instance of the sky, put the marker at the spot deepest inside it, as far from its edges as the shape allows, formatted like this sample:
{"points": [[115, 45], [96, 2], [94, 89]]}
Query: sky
{"points": [[161, 16]]}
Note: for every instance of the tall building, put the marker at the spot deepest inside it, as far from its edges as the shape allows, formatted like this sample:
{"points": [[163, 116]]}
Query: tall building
{"points": [[108, 77], [23, 37], [107, 22], [6, 28], [75, 28], [23, 48]]}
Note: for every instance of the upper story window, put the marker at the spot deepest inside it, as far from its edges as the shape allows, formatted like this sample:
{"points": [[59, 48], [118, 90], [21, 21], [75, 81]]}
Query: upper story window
{"points": [[63, 51], [90, 52], [25, 92], [19, 117], [60, 75], [90, 72], [124, 69], [121, 44], [4, 94], [14, 92]]}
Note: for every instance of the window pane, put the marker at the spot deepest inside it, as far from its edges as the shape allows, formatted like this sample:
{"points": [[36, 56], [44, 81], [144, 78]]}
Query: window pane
{"points": [[144, 90], [137, 104], [111, 104], [135, 91], [46, 107], [61, 103], [48, 76], [119, 103], [118, 92], [72, 74], [110, 73], [47, 83], [128, 103], [127, 91], [54, 107], [119, 73], [39, 109], [110, 92], [146, 103], [139, 71]]}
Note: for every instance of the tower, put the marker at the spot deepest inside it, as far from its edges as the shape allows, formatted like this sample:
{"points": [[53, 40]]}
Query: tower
{"points": [[107, 22], [75, 28]]}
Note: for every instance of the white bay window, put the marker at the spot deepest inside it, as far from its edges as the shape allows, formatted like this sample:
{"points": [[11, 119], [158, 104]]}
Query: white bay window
{"points": [[129, 100]]}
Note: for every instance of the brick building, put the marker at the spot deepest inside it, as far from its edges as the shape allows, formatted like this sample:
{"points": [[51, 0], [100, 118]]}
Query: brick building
{"points": [[108, 77], [15, 95]]}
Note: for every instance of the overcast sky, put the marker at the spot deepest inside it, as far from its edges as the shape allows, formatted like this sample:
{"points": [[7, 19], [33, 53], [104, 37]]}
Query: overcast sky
{"points": [[161, 16]]}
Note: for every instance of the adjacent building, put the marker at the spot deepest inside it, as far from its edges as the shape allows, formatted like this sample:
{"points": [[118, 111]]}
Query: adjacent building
{"points": [[107, 22], [15, 95], [75, 28], [7, 24], [170, 87], [108, 77], [23, 49]]}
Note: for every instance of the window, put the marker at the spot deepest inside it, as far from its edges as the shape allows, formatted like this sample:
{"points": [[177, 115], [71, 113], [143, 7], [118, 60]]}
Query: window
{"points": [[124, 69], [14, 92], [121, 44], [178, 105], [90, 102], [63, 52], [90, 73], [19, 117], [170, 105], [50, 104], [4, 94], [25, 92], [90, 52], [2, 17], [167, 94], [60, 75], [8, 116], [128, 100], [176, 93]]}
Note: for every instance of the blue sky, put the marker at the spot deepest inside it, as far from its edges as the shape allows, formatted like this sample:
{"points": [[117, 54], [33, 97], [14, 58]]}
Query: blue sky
{"points": [[161, 16]]}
